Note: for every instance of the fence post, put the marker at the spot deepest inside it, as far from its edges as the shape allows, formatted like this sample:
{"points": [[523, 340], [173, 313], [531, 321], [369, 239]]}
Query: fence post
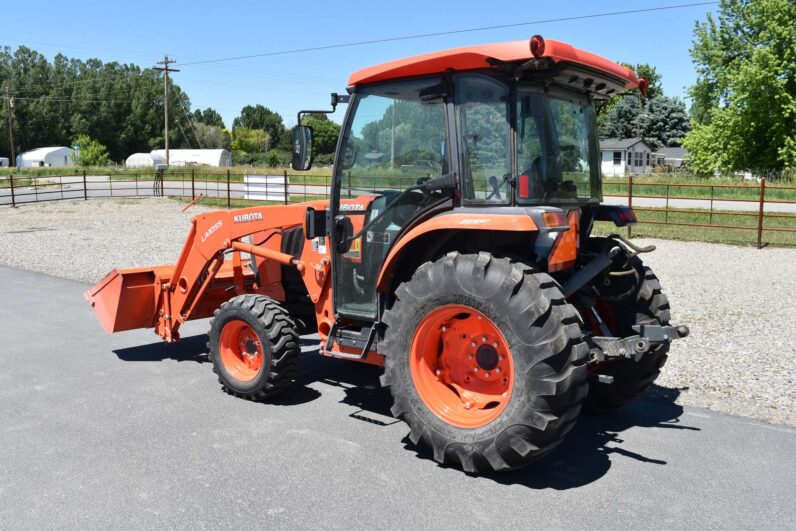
{"points": [[760, 213], [630, 203], [229, 196], [287, 190], [85, 188], [193, 193], [11, 183]]}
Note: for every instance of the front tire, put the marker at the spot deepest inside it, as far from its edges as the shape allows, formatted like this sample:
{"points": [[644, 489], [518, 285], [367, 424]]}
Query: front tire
{"points": [[492, 334], [253, 345]]}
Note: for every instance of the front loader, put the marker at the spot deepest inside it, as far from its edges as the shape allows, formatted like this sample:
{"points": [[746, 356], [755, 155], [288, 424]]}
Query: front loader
{"points": [[456, 251]]}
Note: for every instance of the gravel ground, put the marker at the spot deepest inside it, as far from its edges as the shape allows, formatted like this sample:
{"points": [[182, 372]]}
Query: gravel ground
{"points": [[738, 301]]}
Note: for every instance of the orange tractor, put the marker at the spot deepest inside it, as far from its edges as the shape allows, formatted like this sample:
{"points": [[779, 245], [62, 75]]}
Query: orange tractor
{"points": [[455, 251]]}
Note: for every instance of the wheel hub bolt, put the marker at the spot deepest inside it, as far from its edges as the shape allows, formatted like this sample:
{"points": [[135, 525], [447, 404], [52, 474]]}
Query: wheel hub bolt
{"points": [[467, 405]]}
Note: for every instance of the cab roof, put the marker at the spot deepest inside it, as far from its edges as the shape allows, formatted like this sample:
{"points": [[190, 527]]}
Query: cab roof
{"points": [[475, 57]]}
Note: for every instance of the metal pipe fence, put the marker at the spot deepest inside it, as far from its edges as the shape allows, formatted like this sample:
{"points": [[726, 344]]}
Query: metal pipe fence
{"points": [[754, 195], [673, 203], [217, 189]]}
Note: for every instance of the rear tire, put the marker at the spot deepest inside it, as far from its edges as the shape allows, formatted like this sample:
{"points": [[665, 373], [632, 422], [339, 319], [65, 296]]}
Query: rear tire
{"points": [[645, 304], [543, 342], [253, 345]]}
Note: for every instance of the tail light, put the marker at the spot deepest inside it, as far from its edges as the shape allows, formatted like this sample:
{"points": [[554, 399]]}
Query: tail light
{"points": [[620, 215], [554, 219]]}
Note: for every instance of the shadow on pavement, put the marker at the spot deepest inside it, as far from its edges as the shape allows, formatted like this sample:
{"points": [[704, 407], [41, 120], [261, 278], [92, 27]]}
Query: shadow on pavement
{"points": [[192, 348], [585, 454], [582, 458]]}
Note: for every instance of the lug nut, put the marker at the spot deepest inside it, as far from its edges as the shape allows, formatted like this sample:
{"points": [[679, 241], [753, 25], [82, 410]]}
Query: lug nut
{"points": [[475, 369], [494, 345], [436, 372], [497, 369], [474, 344], [467, 405], [443, 328], [470, 357], [487, 375], [483, 339]]}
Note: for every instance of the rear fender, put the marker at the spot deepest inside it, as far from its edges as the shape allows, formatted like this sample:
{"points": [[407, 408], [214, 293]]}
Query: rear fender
{"points": [[452, 222]]}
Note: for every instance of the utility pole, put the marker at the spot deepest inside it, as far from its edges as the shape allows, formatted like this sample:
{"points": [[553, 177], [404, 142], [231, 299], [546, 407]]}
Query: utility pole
{"points": [[12, 161], [165, 69]]}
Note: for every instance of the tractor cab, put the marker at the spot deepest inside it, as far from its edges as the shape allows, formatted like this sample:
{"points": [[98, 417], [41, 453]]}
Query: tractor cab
{"points": [[493, 130]]}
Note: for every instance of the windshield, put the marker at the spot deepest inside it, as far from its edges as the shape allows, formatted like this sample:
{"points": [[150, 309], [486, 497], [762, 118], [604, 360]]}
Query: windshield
{"points": [[552, 148], [396, 138], [557, 146]]}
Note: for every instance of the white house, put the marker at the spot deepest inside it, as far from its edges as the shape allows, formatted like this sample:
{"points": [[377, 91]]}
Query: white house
{"points": [[191, 157], [673, 157], [46, 156], [144, 160], [3, 162], [629, 156]]}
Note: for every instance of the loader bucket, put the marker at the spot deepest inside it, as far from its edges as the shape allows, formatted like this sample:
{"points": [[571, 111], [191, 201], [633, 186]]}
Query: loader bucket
{"points": [[125, 299]]}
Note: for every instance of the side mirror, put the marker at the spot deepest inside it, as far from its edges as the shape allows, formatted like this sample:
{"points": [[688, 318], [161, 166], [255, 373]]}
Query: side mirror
{"points": [[314, 223], [343, 230], [302, 148]]}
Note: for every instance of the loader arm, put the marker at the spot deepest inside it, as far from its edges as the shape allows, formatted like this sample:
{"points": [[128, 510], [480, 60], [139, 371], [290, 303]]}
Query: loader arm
{"points": [[165, 297]]}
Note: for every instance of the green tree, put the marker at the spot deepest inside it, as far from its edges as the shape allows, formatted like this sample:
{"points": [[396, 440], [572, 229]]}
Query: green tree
{"points": [[325, 133], [650, 73], [260, 117], [208, 116], [744, 100], [212, 137], [654, 90], [661, 121], [119, 105], [249, 140], [89, 152]]}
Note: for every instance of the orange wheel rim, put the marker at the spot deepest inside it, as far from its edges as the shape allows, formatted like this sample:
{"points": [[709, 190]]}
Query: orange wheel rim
{"points": [[241, 350], [461, 366]]}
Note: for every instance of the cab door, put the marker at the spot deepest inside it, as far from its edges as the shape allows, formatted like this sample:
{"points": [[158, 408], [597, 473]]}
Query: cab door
{"points": [[395, 138]]}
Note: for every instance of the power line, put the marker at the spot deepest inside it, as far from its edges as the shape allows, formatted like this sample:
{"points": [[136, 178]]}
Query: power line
{"points": [[450, 32], [190, 122], [47, 98]]}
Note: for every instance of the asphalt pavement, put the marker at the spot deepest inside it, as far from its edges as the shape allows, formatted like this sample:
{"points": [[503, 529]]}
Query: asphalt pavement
{"points": [[123, 431]]}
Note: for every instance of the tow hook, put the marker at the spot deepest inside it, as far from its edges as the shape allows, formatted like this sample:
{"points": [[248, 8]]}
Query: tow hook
{"points": [[634, 347]]}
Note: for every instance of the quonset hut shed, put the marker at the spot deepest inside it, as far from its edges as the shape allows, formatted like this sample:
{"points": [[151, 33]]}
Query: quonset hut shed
{"points": [[190, 157], [46, 156]]}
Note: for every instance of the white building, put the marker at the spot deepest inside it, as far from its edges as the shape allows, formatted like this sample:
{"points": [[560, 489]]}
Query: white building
{"points": [[3, 162], [673, 157], [144, 160], [192, 157], [629, 156], [46, 156]]}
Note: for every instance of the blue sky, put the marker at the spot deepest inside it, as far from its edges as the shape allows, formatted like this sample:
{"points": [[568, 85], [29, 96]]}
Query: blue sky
{"points": [[140, 32]]}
